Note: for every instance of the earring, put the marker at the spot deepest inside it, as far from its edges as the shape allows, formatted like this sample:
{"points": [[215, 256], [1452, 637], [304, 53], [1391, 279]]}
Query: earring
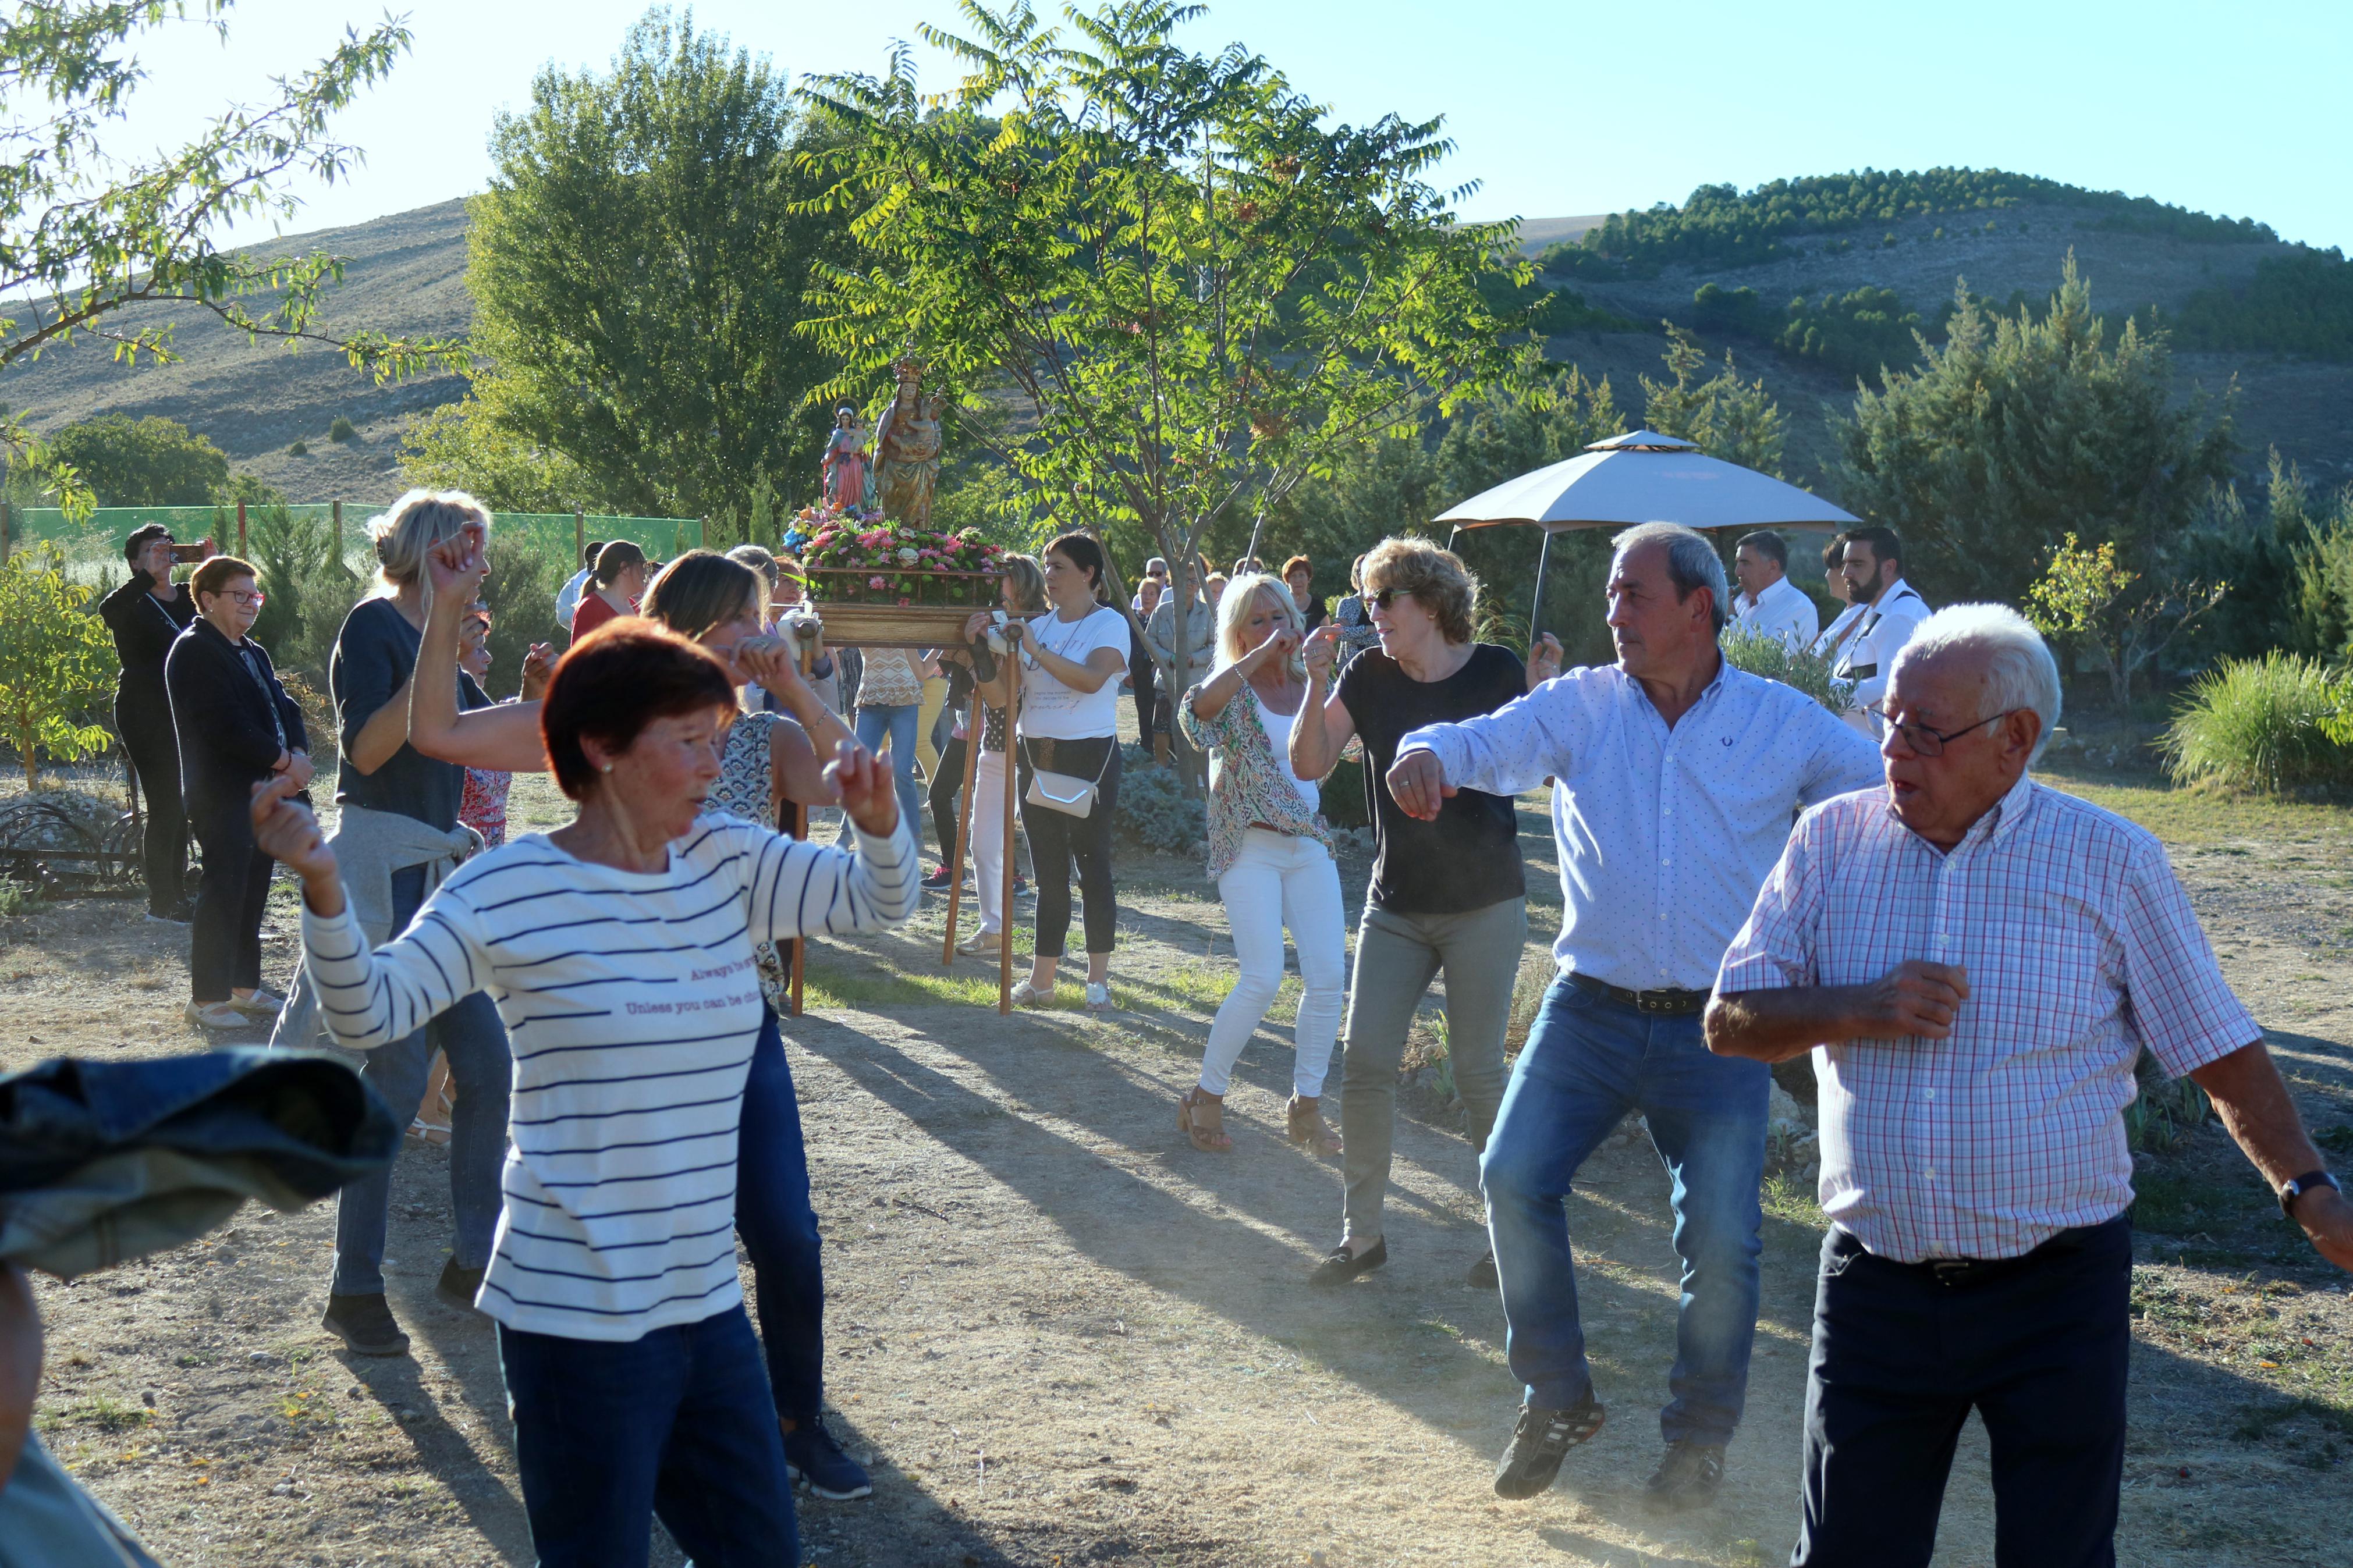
{"points": [[609, 767]]}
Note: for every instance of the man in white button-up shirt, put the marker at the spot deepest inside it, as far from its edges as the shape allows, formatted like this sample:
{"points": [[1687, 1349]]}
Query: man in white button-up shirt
{"points": [[1892, 609], [1678, 778], [1768, 602]]}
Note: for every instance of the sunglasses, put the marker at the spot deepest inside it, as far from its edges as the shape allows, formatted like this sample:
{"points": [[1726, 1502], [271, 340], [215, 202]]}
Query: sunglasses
{"points": [[1382, 598]]}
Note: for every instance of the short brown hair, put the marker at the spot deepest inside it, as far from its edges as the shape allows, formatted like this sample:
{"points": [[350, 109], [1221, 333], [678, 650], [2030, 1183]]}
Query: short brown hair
{"points": [[702, 589], [617, 556], [1297, 564], [1436, 578], [219, 572], [615, 682]]}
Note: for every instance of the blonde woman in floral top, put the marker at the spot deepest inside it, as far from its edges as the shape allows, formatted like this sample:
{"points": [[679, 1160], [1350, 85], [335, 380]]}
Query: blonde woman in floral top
{"points": [[1271, 855]]}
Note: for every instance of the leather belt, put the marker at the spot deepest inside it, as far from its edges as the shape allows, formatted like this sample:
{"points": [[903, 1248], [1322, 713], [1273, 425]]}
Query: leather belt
{"points": [[1665, 1000]]}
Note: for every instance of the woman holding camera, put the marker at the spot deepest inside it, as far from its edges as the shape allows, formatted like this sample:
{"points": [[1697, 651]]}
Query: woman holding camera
{"points": [[147, 614], [1069, 761]]}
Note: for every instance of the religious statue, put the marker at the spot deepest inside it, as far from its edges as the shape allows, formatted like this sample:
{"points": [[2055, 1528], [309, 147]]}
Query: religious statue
{"points": [[907, 469], [843, 466]]}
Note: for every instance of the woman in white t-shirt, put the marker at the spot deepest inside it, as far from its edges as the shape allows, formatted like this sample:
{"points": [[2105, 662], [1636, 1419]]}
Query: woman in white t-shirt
{"points": [[1271, 855], [1071, 665]]}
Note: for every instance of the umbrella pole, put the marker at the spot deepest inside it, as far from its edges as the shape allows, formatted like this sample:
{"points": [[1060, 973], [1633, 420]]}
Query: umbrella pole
{"points": [[1536, 611]]}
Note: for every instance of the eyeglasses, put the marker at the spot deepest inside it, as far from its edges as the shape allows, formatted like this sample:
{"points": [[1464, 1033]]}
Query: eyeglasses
{"points": [[1382, 598], [254, 598], [1926, 742]]}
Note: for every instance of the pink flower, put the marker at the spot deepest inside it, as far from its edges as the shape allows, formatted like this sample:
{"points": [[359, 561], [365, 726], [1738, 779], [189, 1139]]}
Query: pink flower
{"points": [[878, 582], [904, 602]]}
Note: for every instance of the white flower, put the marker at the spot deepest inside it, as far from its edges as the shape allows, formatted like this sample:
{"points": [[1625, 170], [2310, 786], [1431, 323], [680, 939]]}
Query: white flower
{"points": [[907, 555]]}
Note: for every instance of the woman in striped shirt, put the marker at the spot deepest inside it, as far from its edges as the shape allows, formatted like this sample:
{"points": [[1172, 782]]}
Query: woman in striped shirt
{"points": [[619, 952]]}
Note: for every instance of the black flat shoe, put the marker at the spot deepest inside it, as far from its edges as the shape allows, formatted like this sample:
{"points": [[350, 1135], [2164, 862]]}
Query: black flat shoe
{"points": [[1338, 1267]]}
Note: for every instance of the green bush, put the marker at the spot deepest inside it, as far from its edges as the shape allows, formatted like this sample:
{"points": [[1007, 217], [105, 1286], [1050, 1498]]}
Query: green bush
{"points": [[520, 592], [1760, 653], [341, 430], [1342, 796], [1154, 809], [309, 589], [299, 449], [2262, 724]]}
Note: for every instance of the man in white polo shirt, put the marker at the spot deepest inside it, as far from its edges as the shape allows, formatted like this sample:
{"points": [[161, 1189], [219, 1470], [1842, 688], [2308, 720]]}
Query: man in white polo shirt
{"points": [[1768, 602], [1891, 610]]}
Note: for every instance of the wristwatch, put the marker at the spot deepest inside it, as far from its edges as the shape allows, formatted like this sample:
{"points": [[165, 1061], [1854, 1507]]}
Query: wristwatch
{"points": [[2302, 1184]]}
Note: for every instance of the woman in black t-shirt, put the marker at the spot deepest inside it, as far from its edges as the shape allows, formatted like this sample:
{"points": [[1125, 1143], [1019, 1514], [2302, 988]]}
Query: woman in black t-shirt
{"points": [[1446, 895]]}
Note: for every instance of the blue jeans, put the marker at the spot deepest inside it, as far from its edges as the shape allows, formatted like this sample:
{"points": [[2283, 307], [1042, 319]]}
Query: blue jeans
{"points": [[472, 1037], [677, 1422], [779, 1228], [899, 723], [1588, 1061]]}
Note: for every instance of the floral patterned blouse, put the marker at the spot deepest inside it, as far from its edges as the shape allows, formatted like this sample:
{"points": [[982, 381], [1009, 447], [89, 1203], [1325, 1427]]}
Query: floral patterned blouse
{"points": [[1252, 784]]}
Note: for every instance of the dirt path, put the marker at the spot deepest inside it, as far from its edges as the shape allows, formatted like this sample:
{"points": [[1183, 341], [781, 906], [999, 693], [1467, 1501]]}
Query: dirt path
{"points": [[1063, 1337]]}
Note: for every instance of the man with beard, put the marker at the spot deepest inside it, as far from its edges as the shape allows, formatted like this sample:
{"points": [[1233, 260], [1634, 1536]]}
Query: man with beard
{"points": [[1891, 611]]}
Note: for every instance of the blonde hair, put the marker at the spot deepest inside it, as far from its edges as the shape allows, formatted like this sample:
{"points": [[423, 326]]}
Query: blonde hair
{"points": [[1028, 580], [1436, 578], [1234, 612], [413, 525]]}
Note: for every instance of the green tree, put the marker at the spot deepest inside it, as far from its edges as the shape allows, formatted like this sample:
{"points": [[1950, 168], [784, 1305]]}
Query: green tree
{"points": [[2084, 596], [2017, 431], [1727, 418], [462, 445], [57, 662], [153, 461], [1195, 290], [85, 232], [638, 267], [309, 589]]}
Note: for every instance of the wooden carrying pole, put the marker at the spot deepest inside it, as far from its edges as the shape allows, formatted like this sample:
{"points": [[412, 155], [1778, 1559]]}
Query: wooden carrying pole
{"points": [[1012, 727], [975, 726]]}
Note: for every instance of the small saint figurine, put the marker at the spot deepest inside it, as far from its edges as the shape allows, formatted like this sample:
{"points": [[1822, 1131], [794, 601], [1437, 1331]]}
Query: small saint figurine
{"points": [[843, 466]]}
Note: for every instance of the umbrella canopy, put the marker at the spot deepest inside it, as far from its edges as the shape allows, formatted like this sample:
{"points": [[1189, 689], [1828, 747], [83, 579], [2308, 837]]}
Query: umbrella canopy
{"points": [[1644, 477]]}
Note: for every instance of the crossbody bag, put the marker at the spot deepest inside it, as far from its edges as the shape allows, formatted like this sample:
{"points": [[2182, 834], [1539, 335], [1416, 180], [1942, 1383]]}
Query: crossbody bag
{"points": [[1066, 793]]}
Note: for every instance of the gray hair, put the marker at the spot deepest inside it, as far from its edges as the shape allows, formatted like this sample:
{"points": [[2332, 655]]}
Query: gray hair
{"points": [[1692, 562], [415, 524], [2019, 670]]}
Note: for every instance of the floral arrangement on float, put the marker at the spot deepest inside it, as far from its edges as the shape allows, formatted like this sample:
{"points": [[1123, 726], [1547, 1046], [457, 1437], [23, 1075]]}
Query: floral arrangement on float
{"points": [[855, 559]]}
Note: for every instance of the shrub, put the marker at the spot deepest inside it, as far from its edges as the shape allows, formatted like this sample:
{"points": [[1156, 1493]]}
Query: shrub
{"points": [[310, 590], [521, 591], [2271, 723], [1761, 653], [299, 449], [341, 430], [1154, 809], [58, 662]]}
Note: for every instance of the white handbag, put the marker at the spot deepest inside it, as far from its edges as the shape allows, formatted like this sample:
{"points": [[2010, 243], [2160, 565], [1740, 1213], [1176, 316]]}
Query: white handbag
{"points": [[1066, 793]]}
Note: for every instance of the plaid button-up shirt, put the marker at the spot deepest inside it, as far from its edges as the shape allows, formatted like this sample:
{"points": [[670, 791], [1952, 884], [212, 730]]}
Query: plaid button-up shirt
{"points": [[2081, 948]]}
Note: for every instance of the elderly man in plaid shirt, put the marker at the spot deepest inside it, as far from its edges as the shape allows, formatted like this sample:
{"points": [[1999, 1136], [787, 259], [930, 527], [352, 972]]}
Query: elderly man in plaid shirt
{"points": [[1976, 962]]}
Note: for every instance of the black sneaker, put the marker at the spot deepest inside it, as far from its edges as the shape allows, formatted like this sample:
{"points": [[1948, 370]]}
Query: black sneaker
{"points": [[1541, 1440], [365, 1323], [458, 1285], [937, 881], [1338, 1267], [812, 1459], [1483, 1273], [1687, 1477]]}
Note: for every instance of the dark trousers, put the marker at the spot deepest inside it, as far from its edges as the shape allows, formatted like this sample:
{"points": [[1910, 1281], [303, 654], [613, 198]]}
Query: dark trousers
{"points": [[153, 747], [779, 1228], [2038, 1349], [677, 1423], [1142, 677], [225, 934], [947, 788], [1058, 840]]}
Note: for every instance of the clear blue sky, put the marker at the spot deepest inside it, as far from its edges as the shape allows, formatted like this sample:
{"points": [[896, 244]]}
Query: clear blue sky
{"points": [[1555, 109]]}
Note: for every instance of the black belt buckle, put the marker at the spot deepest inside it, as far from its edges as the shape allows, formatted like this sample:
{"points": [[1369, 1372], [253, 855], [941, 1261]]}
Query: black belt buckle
{"points": [[1952, 1272]]}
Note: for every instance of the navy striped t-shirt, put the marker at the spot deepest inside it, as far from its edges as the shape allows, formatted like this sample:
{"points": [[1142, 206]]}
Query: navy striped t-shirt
{"points": [[631, 1003]]}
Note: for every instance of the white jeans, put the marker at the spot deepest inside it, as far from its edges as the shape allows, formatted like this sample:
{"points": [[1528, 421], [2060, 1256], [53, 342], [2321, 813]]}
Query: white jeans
{"points": [[1279, 880], [988, 840]]}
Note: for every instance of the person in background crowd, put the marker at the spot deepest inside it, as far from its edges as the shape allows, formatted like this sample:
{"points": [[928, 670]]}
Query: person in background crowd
{"points": [[1676, 778], [235, 727], [1213, 588], [1149, 587], [1835, 635], [1447, 894], [1022, 591], [147, 614], [1200, 655], [765, 760], [1768, 603], [568, 599], [614, 590], [398, 830], [1299, 576], [1354, 620], [1271, 856], [1070, 727], [1977, 962], [484, 806], [889, 702], [1890, 609], [782, 574], [631, 1372]]}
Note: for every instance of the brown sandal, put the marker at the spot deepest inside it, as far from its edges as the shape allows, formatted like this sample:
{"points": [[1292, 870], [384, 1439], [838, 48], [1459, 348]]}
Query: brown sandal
{"points": [[1201, 1117], [1308, 1127]]}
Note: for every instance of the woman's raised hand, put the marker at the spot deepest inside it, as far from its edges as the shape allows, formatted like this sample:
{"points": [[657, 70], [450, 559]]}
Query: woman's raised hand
{"points": [[284, 829], [1319, 649], [773, 666], [863, 784], [458, 564], [1277, 648], [975, 626], [537, 666]]}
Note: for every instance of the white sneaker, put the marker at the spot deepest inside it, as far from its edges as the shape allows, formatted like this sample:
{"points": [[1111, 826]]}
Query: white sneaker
{"points": [[1098, 996], [214, 1016], [982, 941], [262, 1004]]}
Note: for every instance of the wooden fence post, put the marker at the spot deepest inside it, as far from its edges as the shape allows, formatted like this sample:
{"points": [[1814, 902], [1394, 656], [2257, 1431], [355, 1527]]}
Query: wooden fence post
{"points": [[579, 539], [5, 520], [702, 534], [240, 529], [339, 532]]}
